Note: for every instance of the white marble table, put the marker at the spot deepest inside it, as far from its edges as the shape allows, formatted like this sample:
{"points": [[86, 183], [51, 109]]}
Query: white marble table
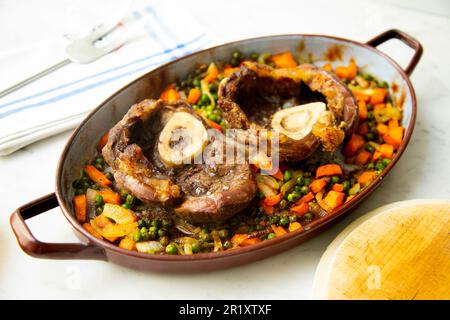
{"points": [[423, 172]]}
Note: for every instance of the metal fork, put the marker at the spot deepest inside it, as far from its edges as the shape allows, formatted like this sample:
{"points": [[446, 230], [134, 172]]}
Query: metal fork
{"points": [[82, 50]]}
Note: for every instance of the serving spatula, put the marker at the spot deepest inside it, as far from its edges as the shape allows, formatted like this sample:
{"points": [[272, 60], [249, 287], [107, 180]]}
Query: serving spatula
{"points": [[81, 50]]}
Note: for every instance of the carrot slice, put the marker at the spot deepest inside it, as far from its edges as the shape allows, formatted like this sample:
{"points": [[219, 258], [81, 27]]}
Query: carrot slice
{"points": [[367, 177], [80, 205], [318, 185], [103, 141], [352, 69], [214, 125], [327, 67], [306, 198], [273, 200], [382, 129], [353, 145], [376, 155], [394, 136], [363, 129], [331, 169], [342, 72], [362, 110], [284, 60], [110, 196], [211, 73], [363, 157], [387, 150], [334, 199], [279, 230], [170, 94], [393, 123], [194, 95], [301, 209], [127, 243], [250, 241], [378, 95], [238, 238], [294, 226], [228, 70], [88, 227], [267, 209], [96, 176], [339, 187]]}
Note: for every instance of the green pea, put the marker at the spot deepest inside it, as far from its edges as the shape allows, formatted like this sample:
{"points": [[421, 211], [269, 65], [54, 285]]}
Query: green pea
{"points": [[234, 62], [223, 234], [164, 241], [123, 193], [298, 189], [156, 223], [283, 204], [370, 166], [369, 106], [98, 200], [213, 117], [386, 162], [99, 210], [153, 234], [236, 55], [98, 166], [287, 175], [141, 223], [367, 77], [254, 56], [304, 190], [227, 244], [166, 223], [196, 247], [369, 115], [206, 237], [292, 218], [370, 136], [100, 161], [162, 232], [215, 96], [293, 197], [271, 236], [261, 195], [137, 236], [259, 227], [171, 249], [204, 100], [284, 221], [380, 166], [370, 148], [335, 179], [346, 185], [307, 181], [144, 234], [300, 180], [384, 84], [129, 199], [209, 108], [308, 216], [196, 83], [126, 206]]}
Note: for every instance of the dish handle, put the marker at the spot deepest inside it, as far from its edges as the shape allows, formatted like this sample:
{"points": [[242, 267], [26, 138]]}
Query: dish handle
{"points": [[406, 39], [38, 249]]}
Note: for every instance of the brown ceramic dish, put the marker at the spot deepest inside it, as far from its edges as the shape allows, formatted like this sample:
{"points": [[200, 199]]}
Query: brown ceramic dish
{"points": [[81, 147]]}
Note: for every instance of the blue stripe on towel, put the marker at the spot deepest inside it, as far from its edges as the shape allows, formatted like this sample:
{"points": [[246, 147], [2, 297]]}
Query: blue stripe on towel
{"points": [[164, 52], [91, 86]]}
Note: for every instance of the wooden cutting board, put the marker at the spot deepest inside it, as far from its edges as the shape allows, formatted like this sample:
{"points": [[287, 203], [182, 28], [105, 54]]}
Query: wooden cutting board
{"points": [[398, 251]]}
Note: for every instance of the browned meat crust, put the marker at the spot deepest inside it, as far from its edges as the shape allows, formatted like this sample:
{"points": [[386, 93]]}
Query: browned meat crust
{"points": [[202, 193], [252, 94]]}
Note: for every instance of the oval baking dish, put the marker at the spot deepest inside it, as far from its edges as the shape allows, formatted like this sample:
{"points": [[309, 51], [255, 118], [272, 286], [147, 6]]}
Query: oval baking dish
{"points": [[81, 147]]}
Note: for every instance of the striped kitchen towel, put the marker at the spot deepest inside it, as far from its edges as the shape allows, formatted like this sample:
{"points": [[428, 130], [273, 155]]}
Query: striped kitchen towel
{"points": [[59, 101]]}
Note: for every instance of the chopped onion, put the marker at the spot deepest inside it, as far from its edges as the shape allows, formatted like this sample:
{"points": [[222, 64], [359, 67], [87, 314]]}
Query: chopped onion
{"points": [[149, 247]]}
